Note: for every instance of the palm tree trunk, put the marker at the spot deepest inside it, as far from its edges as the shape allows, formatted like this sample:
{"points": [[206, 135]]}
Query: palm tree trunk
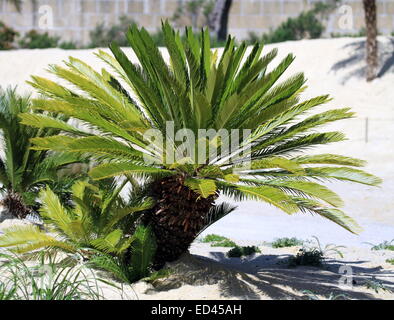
{"points": [[219, 19], [178, 217], [372, 43]]}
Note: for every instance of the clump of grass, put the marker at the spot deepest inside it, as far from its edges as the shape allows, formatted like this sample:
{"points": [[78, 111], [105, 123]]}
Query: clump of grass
{"points": [[238, 251], [213, 238], [313, 254], [46, 281], [287, 242], [376, 285], [313, 296], [218, 241], [391, 261], [225, 243], [307, 257], [385, 245]]}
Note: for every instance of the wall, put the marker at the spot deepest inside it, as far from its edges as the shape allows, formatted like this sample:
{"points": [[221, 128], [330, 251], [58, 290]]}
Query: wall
{"points": [[73, 19]]}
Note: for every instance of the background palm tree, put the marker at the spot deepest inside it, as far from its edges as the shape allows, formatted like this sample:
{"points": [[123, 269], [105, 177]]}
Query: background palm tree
{"points": [[22, 170], [17, 4], [372, 42], [199, 90]]}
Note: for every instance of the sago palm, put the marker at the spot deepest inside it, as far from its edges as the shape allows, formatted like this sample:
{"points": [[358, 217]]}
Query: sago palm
{"points": [[24, 171], [199, 89], [94, 221]]}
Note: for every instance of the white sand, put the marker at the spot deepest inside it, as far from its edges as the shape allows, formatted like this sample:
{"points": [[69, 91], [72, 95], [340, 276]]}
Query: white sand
{"points": [[332, 66]]}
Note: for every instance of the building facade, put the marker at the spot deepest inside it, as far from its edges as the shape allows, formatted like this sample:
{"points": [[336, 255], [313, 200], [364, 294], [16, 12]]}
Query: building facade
{"points": [[74, 19]]}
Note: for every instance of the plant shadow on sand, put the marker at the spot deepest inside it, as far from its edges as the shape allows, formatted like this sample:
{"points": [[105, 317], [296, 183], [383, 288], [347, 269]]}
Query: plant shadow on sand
{"points": [[267, 277], [352, 63]]}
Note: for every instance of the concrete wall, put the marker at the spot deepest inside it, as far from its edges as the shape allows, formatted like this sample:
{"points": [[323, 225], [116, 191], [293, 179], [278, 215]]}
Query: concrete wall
{"points": [[73, 19]]}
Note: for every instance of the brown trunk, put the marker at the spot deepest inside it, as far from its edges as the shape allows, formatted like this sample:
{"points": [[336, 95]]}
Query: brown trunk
{"points": [[178, 217], [14, 204], [219, 19], [372, 43]]}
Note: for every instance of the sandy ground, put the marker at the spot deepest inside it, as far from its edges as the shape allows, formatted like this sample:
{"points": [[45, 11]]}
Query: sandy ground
{"points": [[333, 66]]}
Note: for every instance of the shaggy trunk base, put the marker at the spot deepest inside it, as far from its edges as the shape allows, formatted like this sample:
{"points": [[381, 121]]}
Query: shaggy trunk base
{"points": [[178, 217], [13, 203]]}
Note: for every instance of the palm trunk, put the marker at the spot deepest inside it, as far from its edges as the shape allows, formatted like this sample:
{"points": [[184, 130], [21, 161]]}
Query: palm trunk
{"points": [[219, 19], [372, 43], [13, 203], [178, 217]]}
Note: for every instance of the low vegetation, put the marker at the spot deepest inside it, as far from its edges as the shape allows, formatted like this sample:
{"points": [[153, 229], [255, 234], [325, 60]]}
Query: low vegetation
{"points": [[218, 241], [47, 280], [332, 296], [385, 245], [307, 25], [287, 242], [376, 285], [238, 251], [313, 254]]}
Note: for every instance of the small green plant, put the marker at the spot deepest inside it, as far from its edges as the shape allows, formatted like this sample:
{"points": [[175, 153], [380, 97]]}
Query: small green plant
{"points": [[213, 238], [391, 261], [36, 40], [307, 25], [328, 249], [225, 243], [101, 36], [287, 242], [238, 252], [94, 221], [218, 241], [376, 285], [307, 257], [361, 33], [313, 254], [51, 280], [134, 264], [7, 37], [68, 45], [313, 296], [385, 245]]}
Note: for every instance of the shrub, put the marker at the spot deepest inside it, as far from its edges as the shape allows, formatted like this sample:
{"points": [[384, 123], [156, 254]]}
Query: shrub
{"points": [[101, 36], [36, 40], [7, 37], [287, 242], [68, 45], [213, 238], [307, 25], [218, 241], [94, 221], [136, 264], [307, 257], [238, 251]]}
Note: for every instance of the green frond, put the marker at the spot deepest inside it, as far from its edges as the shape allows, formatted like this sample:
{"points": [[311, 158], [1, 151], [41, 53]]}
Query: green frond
{"points": [[27, 238], [203, 187], [329, 158], [333, 214], [345, 174], [43, 121], [113, 169], [270, 195]]}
